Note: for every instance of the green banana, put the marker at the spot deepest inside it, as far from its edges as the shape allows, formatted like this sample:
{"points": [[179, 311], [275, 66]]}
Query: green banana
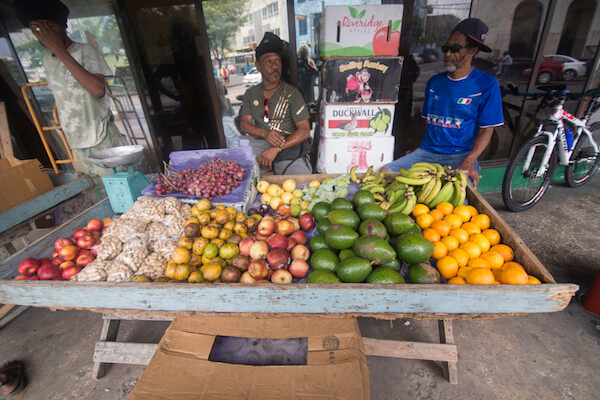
{"points": [[425, 190], [462, 180], [444, 194], [427, 165], [353, 176], [456, 194], [399, 205], [434, 191], [385, 205], [411, 202], [378, 197], [368, 173], [409, 173], [376, 189], [439, 169], [414, 181]]}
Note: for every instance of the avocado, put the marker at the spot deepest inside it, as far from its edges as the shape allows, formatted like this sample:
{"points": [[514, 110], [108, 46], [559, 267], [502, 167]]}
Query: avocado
{"points": [[395, 265], [322, 277], [344, 217], [375, 249], [320, 210], [362, 197], [398, 223], [324, 260], [423, 273], [340, 237], [345, 254], [371, 211], [413, 248], [385, 275], [371, 227], [323, 225], [318, 242], [341, 204], [353, 269]]}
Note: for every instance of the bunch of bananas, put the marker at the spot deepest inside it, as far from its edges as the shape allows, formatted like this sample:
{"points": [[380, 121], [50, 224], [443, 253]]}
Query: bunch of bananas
{"points": [[391, 195]]}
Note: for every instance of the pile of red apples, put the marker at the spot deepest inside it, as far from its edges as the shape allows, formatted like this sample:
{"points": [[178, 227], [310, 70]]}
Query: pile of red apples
{"points": [[277, 252], [69, 257]]}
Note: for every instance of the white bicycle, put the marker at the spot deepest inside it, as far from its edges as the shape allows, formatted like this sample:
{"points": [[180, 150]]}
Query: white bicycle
{"points": [[530, 170]]}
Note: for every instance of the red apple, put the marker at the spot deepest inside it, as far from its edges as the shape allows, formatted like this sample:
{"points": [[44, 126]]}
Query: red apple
{"points": [[86, 241], [266, 227], [277, 241], [258, 269], [291, 244], [281, 276], [29, 266], [96, 235], [283, 211], [278, 258], [246, 278], [66, 264], [263, 281], [50, 272], [300, 252], [67, 273], [299, 268], [299, 237], [307, 221], [55, 254], [44, 261], [94, 252], [294, 222], [259, 249], [68, 252], [57, 260], [384, 47], [34, 278], [21, 278], [269, 274], [79, 233], [245, 245], [258, 236], [81, 252], [285, 227], [63, 242], [94, 225], [84, 259]]}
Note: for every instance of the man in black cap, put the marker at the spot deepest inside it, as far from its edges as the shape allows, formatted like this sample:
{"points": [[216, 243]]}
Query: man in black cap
{"points": [[76, 75], [275, 116], [462, 106]]}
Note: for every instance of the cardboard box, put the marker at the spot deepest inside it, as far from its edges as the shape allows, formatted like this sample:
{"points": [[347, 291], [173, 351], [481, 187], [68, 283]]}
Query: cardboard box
{"points": [[360, 30], [338, 155], [26, 180], [361, 79], [336, 366], [356, 120]]}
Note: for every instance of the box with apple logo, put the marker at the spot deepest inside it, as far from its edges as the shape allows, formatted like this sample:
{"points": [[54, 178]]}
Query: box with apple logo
{"points": [[372, 30], [338, 155], [329, 359], [361, 79], [356, 120]]}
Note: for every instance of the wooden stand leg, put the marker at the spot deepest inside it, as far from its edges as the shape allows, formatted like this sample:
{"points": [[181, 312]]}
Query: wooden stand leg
{"points": [[447, 337], [110, 329]]}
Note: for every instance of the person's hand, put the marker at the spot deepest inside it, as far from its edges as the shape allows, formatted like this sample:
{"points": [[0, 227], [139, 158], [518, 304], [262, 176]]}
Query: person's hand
{"points": [[468, 168], [266, 158], [49, 37], [275, 139]]}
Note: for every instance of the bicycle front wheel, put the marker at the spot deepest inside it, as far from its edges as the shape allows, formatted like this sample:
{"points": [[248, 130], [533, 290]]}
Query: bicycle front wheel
{"points": [[584, 161], [521, 187]]}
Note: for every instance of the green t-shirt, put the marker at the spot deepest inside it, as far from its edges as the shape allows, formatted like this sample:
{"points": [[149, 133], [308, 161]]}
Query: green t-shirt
{"points": [[83, 117], [286, 107]]}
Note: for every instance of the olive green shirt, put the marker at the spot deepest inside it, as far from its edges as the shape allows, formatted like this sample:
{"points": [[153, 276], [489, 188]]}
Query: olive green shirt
{"points": [[286, 107]]}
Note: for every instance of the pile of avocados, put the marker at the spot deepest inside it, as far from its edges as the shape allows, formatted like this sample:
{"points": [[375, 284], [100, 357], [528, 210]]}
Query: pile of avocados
{"points": [[358, 242]]}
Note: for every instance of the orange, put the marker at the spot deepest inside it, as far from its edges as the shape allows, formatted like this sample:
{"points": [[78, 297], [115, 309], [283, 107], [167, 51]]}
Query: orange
{"points": [[461, 209], [482, 220], [532, 280], [497, 273], [457, 280], [514, 275], [472, 210], [439, 250], [445, 207], [424, 221], [463, 213], [462, 272], [452, 243], [480, 240], [419, 210], [494, 259], [480, 276], [478, 263], [181, 255], [473, 250], [471, 228], [513, 264], [447, 266], [454, 220], [461, 257], [460, 234], [443, 227], [492, 235], [507, 253], [436, 214], [432, 235]]}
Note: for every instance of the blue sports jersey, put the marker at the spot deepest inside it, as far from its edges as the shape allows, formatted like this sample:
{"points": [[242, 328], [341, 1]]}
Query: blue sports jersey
{"points": [[456, 109]]}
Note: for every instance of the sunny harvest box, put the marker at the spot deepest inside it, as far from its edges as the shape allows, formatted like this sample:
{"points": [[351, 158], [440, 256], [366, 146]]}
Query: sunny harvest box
{"points": [[356, 120], [21, 181]]}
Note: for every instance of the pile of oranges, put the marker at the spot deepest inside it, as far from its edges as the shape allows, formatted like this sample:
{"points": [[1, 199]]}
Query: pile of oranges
{"points": [[466, 248]]}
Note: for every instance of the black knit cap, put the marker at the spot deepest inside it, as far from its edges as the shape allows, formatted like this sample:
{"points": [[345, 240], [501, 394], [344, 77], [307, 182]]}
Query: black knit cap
{"points": [[476, 30], [270, 43], [31, 10]]}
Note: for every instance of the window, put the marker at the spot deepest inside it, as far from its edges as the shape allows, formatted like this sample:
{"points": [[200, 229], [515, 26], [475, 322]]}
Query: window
{"points": [[302, 27], [271, 10]]}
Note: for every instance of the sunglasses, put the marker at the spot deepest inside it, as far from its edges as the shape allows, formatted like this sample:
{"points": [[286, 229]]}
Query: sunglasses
{"points": [[455, 48], [266, 117]]}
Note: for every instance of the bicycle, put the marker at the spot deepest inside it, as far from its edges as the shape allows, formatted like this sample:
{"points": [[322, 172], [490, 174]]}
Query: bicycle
{"points": [[530, 170]]}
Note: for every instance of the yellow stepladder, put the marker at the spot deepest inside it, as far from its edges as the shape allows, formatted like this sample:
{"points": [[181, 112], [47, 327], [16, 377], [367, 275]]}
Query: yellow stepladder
{"points": [[42, 129]]}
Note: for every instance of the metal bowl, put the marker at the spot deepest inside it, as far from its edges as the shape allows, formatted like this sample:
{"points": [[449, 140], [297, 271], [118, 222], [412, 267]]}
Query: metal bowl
{"points": [[117, 156]]}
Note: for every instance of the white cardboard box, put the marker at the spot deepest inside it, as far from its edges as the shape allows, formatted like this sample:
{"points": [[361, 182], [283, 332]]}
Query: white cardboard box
{"points": [[372, 30], [356, 120], [338, 155]]}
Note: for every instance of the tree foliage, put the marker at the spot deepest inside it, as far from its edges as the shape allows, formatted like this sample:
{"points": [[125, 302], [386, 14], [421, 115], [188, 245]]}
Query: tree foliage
{"points": [[222, 21]]}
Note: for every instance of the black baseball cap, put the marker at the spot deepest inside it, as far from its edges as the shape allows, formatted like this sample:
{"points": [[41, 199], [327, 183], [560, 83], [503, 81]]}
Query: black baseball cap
{"points": [[270, 43], [31, 10], [475, 29]]}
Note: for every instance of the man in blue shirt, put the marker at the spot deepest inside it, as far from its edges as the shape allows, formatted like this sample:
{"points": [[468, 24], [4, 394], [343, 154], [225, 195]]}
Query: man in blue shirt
{"points": [[461, 108]]}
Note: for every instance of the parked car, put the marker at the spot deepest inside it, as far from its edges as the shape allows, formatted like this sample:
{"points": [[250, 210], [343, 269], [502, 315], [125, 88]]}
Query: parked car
{"points": [[572, 67], [550, 70], [253, 77]]}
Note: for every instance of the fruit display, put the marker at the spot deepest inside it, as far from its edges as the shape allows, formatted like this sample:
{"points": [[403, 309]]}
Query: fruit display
{"points": [[428, 183], [326, 190], [273, 195], [210, 180]]}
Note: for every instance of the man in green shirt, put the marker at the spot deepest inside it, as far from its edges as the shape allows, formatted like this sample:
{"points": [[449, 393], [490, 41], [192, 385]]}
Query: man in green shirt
{"points": [[275, 116], [76, 75]]}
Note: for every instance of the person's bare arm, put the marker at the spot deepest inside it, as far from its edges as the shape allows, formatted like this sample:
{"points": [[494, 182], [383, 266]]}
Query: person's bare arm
{"points": [[93, 83], [273, 137], [300, 135], [481, 141]]}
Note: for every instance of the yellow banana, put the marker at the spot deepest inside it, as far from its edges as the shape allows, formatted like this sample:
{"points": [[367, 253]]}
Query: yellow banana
{"points": [[425, 190], [434, 191], [411, 202], [414, 181], [444, 194], [353, 176]]}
